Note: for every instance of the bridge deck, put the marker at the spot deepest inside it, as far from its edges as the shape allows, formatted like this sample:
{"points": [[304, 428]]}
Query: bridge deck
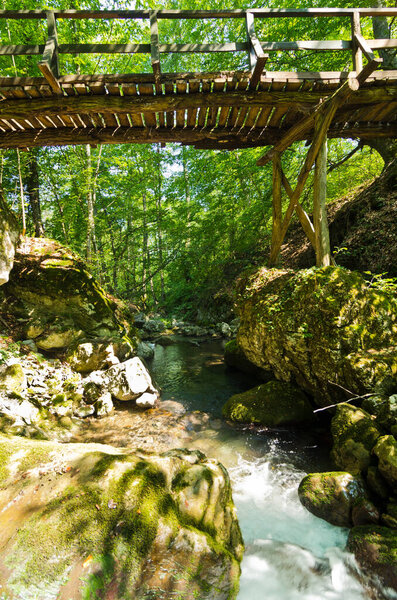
{"points": [[208, 110], [205, 110]]}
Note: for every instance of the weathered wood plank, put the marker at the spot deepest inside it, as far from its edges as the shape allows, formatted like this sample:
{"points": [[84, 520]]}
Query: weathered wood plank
{"points": [[129, 89]]}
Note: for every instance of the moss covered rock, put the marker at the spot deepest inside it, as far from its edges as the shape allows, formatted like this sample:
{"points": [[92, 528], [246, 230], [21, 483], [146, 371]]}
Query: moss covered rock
{"points": [[319, 327], [354, 434], [375, 549], [12, 379], [9, 235], [386, 451], [93, 522], [235, 358], [271, 404], [338, 497], [57, 299]]}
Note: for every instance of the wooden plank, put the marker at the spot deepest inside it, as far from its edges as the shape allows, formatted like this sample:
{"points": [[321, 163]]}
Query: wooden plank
{"points": [[48, 74], [263, 117], [181, 89], [191, 118], [21, 49], [257, 58], [98, 48], [320, 221], [202, 113], [223, 115], [203, 48], [357, 52], [277, 210], [169, 115], [147, 89], [115, 90], [277, 116]]}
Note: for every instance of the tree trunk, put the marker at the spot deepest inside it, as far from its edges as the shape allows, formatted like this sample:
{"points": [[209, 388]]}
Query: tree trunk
{"points": [[33, 190]]}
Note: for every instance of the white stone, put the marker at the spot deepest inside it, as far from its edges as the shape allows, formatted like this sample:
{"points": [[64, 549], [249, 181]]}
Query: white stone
{"points": [[104, 405], [129, 379], [147, 400]]}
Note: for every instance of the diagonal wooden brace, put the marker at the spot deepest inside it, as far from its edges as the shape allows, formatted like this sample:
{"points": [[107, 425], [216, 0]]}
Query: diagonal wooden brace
{"points": [[49, 63]]}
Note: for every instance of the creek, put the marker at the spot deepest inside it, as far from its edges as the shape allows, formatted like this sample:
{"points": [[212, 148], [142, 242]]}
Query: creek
{"points": [[290, 554]]}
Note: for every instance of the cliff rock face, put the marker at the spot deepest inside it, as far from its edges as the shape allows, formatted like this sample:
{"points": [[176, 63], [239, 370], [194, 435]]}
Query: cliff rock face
{"points": [[91, 521], [9, 235], [322, 328]]}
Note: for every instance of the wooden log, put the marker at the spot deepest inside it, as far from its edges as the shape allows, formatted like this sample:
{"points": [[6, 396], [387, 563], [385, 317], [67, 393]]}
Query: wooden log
{"points": [[277, 210], [302, 214], [168, 102], [257, 58], [357, 52], [154, 50], [322, 247], [49, 65]]}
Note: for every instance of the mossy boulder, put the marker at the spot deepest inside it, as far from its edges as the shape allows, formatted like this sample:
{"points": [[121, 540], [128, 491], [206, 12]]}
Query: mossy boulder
{"points": [[58, 301], [12, 379], [97, 355], [375, 549], [321, 327], [387, 414], [386, 451], [354, 434], [9, 235], [337, 497], [91, 521], [271, 404]]}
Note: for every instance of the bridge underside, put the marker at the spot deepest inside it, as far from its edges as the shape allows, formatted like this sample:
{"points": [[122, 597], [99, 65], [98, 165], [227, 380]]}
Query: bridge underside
{"points": [[206, 110]]}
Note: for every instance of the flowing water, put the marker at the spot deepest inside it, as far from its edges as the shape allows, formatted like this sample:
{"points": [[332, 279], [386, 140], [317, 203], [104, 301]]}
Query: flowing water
{"points": [[290, 554]]}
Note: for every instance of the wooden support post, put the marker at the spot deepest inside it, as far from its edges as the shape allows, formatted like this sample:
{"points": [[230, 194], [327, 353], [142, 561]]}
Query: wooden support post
{"points": [[357, 52], [277, 210], [257, 58], [49, 64], [155, 49], [323, 249], [302, 214]]}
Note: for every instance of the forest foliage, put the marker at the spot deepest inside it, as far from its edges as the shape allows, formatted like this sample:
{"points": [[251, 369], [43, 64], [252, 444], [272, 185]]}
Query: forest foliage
{"points": [[166, 227]]}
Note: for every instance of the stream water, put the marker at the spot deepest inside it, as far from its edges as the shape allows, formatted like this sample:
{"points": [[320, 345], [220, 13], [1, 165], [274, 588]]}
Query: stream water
{"points": [[290, 554]]}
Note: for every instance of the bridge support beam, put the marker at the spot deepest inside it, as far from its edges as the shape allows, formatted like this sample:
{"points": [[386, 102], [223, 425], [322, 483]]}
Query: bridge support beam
{"points": [[316, 231]]}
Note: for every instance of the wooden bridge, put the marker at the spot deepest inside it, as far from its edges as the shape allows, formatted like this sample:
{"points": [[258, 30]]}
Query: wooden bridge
{"points": [[221, 110]]}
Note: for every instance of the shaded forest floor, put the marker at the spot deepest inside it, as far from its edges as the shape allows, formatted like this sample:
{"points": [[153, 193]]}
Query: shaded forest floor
{"points": [[363, 229]]}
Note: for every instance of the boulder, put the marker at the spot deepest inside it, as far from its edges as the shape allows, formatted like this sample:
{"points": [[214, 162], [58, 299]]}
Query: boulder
{"points": [[337, 497], [271, 404], [96, 521], [58, 301], [129, 380], [145, 350], [12, 379], [235, 358], [354, 434], [375, 549], [97, 355], [319, 327], [9, 235], [387, 414], [386, 451]]}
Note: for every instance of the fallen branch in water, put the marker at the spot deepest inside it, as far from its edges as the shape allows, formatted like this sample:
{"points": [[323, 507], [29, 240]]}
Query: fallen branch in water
{"points": [[354, 397]]}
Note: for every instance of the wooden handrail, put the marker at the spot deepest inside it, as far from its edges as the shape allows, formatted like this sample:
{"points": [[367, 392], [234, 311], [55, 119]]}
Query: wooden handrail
{"points": [[256, 49]]}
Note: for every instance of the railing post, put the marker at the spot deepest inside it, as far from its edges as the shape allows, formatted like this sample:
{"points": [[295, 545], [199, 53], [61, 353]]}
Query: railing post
{"points": [[357, 52], [155, 49], [49, 64], [257, 58]]}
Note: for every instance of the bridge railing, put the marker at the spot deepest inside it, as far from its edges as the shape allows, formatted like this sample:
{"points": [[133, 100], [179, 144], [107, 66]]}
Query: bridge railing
{"points": [[257, 50]]}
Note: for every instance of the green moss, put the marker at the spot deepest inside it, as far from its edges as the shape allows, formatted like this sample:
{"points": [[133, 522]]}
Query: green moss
{"points": [[270, 404], [377, 540]]}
